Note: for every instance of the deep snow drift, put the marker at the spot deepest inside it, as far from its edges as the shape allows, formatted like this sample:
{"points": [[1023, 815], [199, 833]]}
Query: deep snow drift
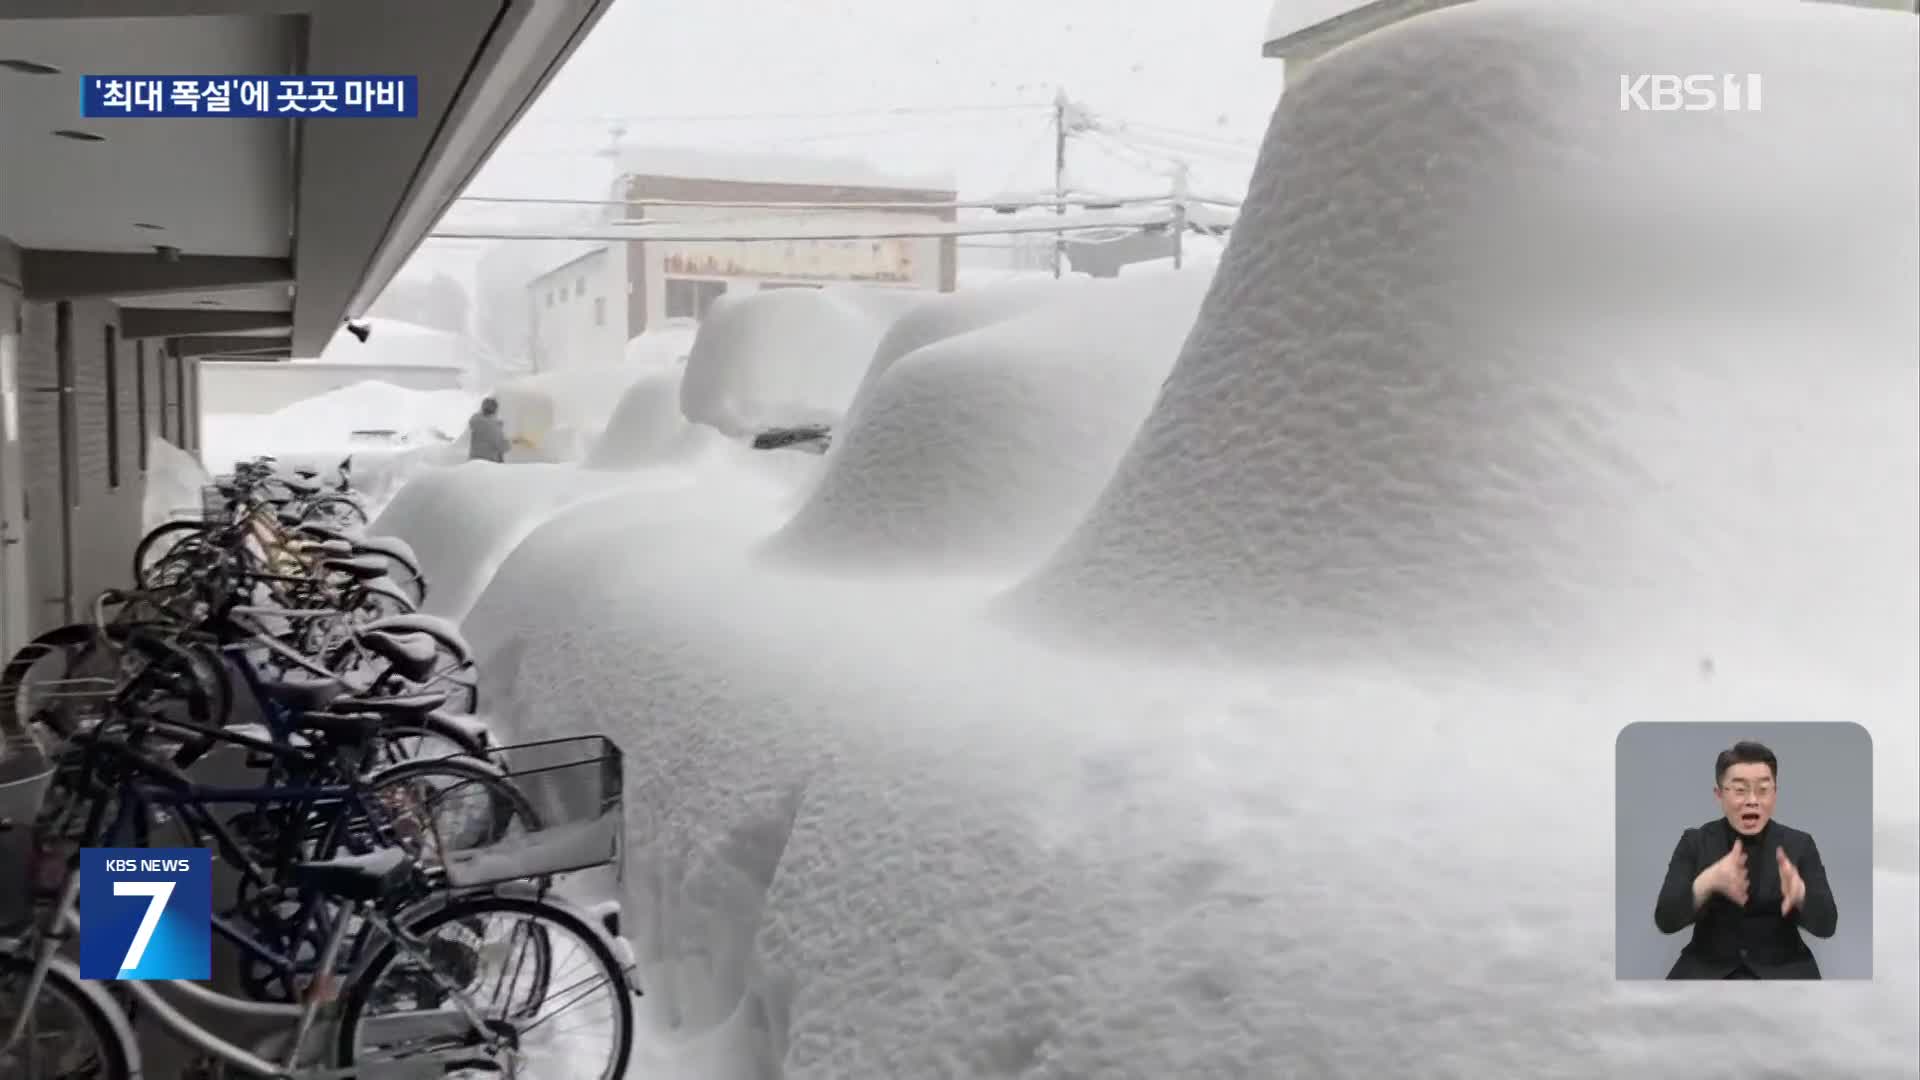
{"points": [[559, 412], [323, 425], [982, 450], [1410, 423], [174, 480], [785, 357], [647, 426], [879, 834]]}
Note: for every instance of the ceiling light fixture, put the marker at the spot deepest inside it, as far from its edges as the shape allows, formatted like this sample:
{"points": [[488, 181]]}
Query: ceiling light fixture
{"points": [[80, 136], [28, 67], [149, 226]]}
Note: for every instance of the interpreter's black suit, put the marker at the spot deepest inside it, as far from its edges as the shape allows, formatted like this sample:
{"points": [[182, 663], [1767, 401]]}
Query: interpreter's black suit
{"points": [[1754, 941]]}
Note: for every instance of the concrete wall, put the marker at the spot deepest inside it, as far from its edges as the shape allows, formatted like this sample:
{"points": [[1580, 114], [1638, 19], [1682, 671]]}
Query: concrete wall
{"points": [[80, 475], [255, 388], [81, 455], [16, 594]]}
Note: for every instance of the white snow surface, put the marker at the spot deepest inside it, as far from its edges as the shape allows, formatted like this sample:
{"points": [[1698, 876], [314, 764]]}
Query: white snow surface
{"points": [[1409, 425], [174, 479], [464, 519], [952, 314], [979, 452], [578, 398], [665, 346], [647, 426], [1505, 409], [321, 427], [782, 358]]}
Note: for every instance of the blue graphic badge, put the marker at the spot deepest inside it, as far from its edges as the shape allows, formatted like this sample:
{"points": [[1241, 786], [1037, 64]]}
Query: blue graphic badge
{"points": [[146, 913]]}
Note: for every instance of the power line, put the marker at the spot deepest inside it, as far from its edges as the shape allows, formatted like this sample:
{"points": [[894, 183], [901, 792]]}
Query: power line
{"points": [[1241, 145], [686, 234], [910, 110], [1092, 200]]}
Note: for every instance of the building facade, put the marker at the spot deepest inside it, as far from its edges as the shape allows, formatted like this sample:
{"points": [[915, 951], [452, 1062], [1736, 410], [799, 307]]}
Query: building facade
{"points": [[585, 310]]}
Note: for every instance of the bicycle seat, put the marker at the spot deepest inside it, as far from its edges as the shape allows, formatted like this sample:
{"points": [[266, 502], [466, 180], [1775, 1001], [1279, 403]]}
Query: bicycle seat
{"points": [[297, 485], [359, 568], [412, 655], [303, 695], [365, 878], [392, 707]]}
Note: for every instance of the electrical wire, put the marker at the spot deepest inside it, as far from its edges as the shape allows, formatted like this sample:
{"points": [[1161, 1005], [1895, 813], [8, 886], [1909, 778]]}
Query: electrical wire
{"points": [[909, 110], [1088, 199], [1190, 136], [606, 233]]}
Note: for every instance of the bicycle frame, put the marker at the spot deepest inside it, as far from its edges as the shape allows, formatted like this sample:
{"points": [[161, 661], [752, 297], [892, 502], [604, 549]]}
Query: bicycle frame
{"points": [[201, 824]]}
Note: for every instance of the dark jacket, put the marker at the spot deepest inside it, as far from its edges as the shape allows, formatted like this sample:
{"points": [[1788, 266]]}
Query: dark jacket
{"points": [[1727, 936], [487, 438]]}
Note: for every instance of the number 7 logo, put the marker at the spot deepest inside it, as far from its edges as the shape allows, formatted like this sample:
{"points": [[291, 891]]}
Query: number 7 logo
{"points": [[157, 893]]}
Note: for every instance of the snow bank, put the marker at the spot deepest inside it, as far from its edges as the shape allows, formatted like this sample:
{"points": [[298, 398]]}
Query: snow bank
{"points": [[667, 346], [323, 426], [780, 358], [875, 834], [982, 450], [173, 482], [548, 406], [647, 427], [464, 520], [952, 314], [1411, 425]]}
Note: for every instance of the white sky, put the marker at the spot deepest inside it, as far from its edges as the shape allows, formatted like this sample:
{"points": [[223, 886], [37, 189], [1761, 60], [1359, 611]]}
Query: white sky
{"points": [[1190, 65]]}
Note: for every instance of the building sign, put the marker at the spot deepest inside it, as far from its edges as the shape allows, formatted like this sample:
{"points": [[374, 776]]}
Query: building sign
{"points": [[890, 260]]}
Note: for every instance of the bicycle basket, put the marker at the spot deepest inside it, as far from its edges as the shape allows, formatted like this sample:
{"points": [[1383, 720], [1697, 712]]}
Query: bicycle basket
{"points": [[574, 788], [25, 777], [75, 703]]}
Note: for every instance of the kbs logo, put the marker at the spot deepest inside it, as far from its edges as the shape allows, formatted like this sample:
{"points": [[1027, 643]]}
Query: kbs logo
{"points": [[1689, 93], [146, 913]]}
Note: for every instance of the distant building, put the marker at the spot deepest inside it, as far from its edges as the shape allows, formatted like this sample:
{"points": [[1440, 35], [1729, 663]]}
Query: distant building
{"points": [[586, 309], [1301, 31]]}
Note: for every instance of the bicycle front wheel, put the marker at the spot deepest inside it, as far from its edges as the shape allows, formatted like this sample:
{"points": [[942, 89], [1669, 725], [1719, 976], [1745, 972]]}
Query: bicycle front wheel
{"points": [[67, 1034], [551, 998]]}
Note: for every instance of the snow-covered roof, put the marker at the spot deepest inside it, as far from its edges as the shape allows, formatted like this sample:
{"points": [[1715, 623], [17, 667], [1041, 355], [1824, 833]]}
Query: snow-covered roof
{"points": [[564, 254], [1314, 26], [743, 166]]}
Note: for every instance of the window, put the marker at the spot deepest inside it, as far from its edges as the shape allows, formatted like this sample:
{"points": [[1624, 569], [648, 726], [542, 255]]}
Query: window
{"points": [[140, 395], [113, 407], [688, 299], [599, 311], [580, 286]]}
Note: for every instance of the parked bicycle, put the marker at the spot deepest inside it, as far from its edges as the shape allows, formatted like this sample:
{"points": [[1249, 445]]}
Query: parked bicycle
{"points": [[367, 833]]}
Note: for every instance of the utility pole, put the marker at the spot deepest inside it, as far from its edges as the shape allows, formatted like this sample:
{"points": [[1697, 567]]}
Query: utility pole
{"points": [[1059, 175], [1179, 212]]}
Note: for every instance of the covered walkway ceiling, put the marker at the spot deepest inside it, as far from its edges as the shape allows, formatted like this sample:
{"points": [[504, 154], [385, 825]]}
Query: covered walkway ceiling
{"points": [[270, 227]]}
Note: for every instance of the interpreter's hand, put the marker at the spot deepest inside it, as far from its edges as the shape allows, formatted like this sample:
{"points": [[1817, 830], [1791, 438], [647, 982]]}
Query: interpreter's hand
{"points": [[1793, 887], [1728, 875]]}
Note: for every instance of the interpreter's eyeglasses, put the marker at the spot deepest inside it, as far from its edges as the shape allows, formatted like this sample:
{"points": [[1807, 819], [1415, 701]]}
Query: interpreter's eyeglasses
{"points": [[1741, 791]]}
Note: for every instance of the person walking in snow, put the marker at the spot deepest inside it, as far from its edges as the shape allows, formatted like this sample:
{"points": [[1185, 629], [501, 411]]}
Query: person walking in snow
{"points": [[487, 434]]}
